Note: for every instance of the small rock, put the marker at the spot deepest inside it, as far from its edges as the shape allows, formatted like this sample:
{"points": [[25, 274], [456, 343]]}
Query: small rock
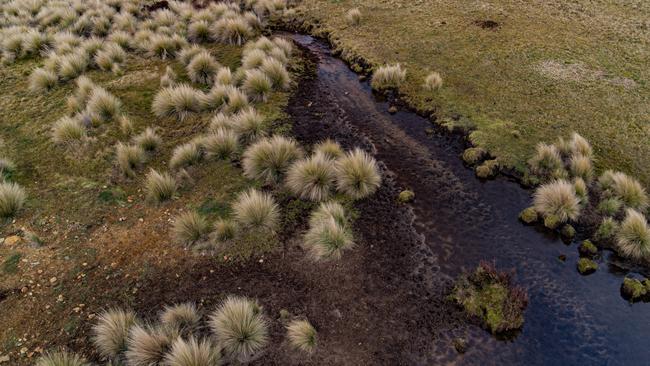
{"points": [[362, 77], [4, 359], [53, 280], [392, 109], [460, 345], [429, 131], [587, 266], [12, 240], [561, 257]]}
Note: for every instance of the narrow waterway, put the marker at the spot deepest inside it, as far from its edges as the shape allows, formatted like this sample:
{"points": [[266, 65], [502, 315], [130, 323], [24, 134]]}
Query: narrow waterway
{"points": [[571, 319]]}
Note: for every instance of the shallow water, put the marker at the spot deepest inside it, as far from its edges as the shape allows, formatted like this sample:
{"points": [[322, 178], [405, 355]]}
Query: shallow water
{"points": [[571, 319]]}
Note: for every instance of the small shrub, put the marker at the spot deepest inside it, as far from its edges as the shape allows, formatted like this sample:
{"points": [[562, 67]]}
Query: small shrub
{"points": [[61, 358], [68, 130], [353, 16], [193, 353], [269, 158], [388, 77], [185, 155], [607, 229], [302, 335], [178, 101], [111, 332], [557, 199], [240, 328], [183, 317], [580, 166], [329, 149], [257, 85], [12, 198], [633, 236], [190, 227], [42, 80], [103, 105], [433, 82], [147, 345], [160, 186], [202, 68], [312, 178], [221, 144], [148, 140], [255, 209], [546, 161], [276, 72], [357, 174], [129, 158], [249, 124]]}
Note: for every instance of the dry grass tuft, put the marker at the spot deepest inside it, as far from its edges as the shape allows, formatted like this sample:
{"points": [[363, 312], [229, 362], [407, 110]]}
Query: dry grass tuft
{"points": [[353, 16], [357, 174], [185, 155], [257, 85], [193, 353], [203, 68], [312, 179], [329, 149], [12, 198], [221, 144], [147, 345], [68, 130], [183, 317], [178, 101], [255, 209], [633, 236], [103, 105], [302, 335], [581, 167], [129, 158], [111, 332], [432, 82], [269, 158], [42, 80], [148, 140], [388, 77], [557, 199], [160, 186], [547, 162], [190, 227], [61, 358]]}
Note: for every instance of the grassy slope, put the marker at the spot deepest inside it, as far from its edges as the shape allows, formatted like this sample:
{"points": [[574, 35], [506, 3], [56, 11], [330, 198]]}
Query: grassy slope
{"points": [[596, 82], [98, 234]]}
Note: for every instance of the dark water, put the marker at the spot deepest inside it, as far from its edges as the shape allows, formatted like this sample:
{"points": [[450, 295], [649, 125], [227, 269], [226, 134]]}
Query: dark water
{"points": [[571, 319]]}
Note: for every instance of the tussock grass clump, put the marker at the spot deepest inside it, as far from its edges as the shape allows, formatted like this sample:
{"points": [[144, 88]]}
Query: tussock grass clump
{"points": [[189, 227], [164, 46], [311, 179], [73, 65], [68, 130], [237, 100], [607, 229], [557, 199], [432, 82], [276, 72], [148, 140], [222, 144], [546, 162], [240, 328], [224, 230], [7, 168], [329, 210], [630, 191], [255, 209], [285, 45], [187, 54], [329, 149], [253, 59], [582, 192], [610, 206], [111, 332], [126, 125], [633, 236], [42, 80], [268, 159], [12, 198], [221, 121], [199, 31], [183, 317], [168, 79], [110, 57], [580, 146], [178, 101], [232, 31], [147, 345], [224, 76], [160, 186], [103, 105], [61, 358], [82, 93], [129, 158], [357, 174], [202, 68], [193, 353], [328, 240], [580, 166], [121, 38], [217, 97], [388, 77], [302, 335], [257, 85], [353, 16], [185, 155], [249, 124]]}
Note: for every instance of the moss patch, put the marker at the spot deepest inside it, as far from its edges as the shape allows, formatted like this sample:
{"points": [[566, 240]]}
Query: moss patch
{"points": [[587, 249], [528, 215], [635, 290], [406, 196], [587, 266]]}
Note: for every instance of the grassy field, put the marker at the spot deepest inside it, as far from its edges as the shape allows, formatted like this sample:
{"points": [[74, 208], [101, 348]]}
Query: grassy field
{"points": [[87, 236], [540, 71]]}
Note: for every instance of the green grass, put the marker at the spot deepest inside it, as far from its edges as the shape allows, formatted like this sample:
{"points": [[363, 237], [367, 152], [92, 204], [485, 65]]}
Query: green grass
{"points": [[547, 70], [10, 265]]}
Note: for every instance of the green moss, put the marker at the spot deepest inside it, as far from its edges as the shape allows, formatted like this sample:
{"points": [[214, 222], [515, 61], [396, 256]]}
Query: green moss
{"points": [[587, 249], [528, 215], [10, 265], [551, 222], [488, 169], [473, 155], [610, 206], [568, 231], [586, 266], [633, 289], [406, 196]]}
